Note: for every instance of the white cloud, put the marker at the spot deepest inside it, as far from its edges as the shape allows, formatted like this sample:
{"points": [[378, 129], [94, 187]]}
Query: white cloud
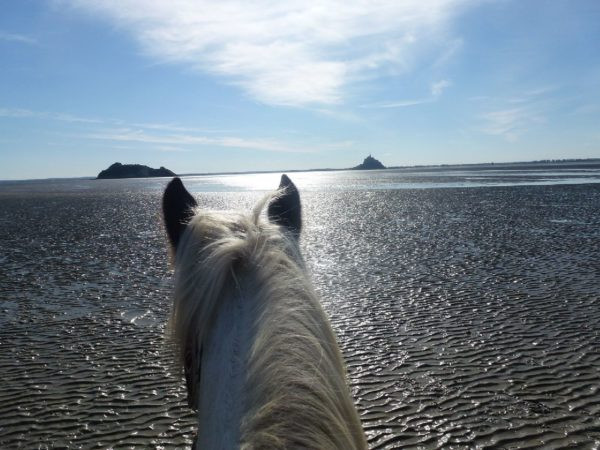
{"points": [[193, 140], [511, 123], [436, 90], [506, 122], [438, 87], [516, 114], [287, 53], [169, 136], [19, 113], [19, 38], [452, 48], [400, 103]]}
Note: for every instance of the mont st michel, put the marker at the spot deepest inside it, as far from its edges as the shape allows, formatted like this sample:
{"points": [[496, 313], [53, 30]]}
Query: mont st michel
{"points": [[370, 163]]}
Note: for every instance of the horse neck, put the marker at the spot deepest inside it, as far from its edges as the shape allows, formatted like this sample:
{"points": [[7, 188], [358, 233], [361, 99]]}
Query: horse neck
{"points": [[223, 367], [250, 335]]}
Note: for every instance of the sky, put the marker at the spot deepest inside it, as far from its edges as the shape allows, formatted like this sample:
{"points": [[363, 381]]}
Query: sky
{"points": [[200, 86]]}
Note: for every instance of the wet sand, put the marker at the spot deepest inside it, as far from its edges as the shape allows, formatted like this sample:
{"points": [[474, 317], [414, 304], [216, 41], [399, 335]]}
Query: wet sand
{"points": [[469, 318]]}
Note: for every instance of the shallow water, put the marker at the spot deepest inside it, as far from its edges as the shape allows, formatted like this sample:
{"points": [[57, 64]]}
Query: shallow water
{"points": [[469, 317]]}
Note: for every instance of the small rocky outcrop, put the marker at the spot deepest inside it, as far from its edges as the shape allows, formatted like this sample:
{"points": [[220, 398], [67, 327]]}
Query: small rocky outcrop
{"points": [[370, 163], [118, 170]]}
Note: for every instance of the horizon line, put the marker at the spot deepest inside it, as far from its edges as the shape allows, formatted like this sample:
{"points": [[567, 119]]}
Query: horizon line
{"points": [[330, 169]]}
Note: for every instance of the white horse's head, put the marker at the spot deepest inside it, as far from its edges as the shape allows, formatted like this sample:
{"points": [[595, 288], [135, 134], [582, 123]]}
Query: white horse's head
{"points": [[179, 206], [262, 364]]}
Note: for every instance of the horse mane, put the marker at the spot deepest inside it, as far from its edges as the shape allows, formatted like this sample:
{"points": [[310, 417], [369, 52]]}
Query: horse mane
{"points": [[295, 390]]}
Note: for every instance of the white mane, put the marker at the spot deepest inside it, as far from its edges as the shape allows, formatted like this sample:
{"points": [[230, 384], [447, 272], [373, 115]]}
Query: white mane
{"points": [[293, 391]]}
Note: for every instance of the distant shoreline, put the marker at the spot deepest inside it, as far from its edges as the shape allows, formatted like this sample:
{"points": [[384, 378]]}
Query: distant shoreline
{"points": [[589, 163]]}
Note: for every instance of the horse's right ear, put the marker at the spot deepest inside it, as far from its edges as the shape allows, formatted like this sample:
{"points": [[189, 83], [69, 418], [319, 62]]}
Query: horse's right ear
{"points": [[178, 208], [285, 209]]}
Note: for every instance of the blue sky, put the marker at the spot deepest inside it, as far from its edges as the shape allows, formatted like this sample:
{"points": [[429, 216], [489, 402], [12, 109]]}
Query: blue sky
{"points": [[233, 85]]}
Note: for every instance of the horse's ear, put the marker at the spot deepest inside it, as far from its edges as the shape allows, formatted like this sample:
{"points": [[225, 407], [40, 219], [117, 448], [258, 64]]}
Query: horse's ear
{"points": [[178, 208], [285, 209]]}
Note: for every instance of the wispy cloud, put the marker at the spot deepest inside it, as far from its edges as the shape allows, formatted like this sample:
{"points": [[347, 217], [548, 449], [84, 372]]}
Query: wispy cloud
{"points": [[436, 90], [19, 113], [532, 94], [586, 108], [508, 123], [517, 114], [171, 137], [452, 48], [172, 149], [18, 38], [171, 141], [286, 53], [439, 86], [172, 127], [400, 103]]}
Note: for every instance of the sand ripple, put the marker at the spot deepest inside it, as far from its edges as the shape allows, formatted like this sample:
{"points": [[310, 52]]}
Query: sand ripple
{"points": [[469, 318]]}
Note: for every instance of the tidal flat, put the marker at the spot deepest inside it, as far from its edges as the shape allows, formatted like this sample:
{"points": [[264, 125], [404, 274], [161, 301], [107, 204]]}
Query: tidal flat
{"points": [[467, 306]]}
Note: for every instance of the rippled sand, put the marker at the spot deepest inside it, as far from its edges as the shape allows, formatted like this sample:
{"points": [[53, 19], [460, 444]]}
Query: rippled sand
{"points": [[470, 318]]}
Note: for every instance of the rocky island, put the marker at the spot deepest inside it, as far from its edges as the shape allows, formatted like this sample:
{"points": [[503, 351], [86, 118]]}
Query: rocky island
{"points": [[118, 170], [369, 163]]}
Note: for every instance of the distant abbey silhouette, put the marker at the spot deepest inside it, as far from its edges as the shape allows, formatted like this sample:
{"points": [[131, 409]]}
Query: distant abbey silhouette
{"points": [[369, 163]]}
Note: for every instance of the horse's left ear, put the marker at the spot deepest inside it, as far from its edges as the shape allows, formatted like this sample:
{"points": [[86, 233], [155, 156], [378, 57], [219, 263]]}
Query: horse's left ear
{"points": [[178, 208], [285, 209]]}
